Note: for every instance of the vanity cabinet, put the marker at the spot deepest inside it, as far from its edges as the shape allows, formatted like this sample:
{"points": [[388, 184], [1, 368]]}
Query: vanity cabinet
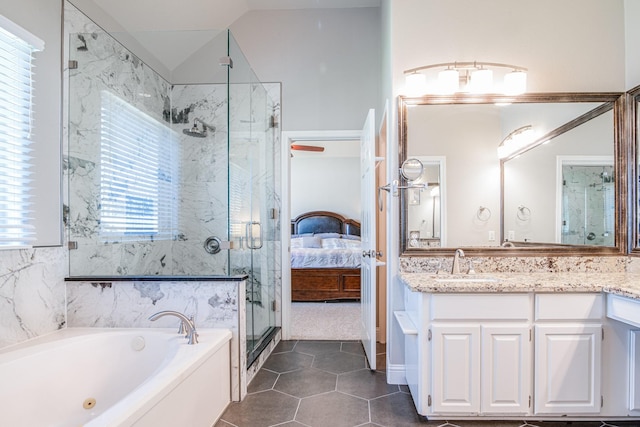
{"points": [[481, 368], [505, 354], [568, 353]]}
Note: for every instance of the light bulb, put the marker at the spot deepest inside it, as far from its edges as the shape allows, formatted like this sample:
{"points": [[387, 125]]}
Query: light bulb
{"points": [[481, 81], [415, 84], [515, 83], [448, 81]]}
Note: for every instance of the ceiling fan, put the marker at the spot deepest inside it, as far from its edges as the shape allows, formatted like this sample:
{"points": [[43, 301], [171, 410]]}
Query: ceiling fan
{"points": [[307, 148]]}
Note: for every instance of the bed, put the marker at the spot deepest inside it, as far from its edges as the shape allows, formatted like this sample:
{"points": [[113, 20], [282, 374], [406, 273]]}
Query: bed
{"points": [[325, 257]]}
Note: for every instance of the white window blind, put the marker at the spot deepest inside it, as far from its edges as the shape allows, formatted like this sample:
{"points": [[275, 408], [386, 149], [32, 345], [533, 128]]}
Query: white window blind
{"points": [[17, 47], [139, 174]]}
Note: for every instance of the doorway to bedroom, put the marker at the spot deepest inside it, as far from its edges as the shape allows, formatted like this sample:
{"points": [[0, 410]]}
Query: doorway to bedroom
{"points": [[325, 253]]}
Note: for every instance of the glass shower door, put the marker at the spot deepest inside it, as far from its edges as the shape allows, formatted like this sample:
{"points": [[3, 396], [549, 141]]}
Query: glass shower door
{"points": [[253, 213]]}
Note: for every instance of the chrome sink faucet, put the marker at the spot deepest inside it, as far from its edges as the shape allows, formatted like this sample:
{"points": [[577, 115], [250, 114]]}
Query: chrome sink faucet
{"points": [[186, 326], [455, 269]]}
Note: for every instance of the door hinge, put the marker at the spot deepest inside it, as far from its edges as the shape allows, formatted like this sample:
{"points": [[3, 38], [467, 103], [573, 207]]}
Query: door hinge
{"points": [[429, 400], [529, 401], [601, 401], [429, 335], [73, 64], [274, 305], [530, 338], [226, 61], [603, 333]]}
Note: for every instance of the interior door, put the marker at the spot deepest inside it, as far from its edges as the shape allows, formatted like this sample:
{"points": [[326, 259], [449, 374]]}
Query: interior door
{"points": [[368, 238]]}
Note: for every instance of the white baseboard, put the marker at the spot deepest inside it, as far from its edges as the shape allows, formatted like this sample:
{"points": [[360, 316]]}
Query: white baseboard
{"points": [[396, 374]]}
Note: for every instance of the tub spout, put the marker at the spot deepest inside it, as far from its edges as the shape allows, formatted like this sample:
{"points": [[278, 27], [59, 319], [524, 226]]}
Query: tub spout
{"points": [[188, 324]]}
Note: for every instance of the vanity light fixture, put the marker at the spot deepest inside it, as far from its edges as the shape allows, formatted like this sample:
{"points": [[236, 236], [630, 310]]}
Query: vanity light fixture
{"points": [[516, 141], [473, 77]]}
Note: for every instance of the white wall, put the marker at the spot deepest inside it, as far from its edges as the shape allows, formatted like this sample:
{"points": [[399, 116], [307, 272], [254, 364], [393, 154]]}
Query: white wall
{"points": [[632, 43], [325, 184], [328, 61]]}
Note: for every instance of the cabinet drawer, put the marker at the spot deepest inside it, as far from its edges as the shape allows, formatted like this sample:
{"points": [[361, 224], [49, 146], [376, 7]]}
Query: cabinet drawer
{"points": [[569, 307], [480, 306]]}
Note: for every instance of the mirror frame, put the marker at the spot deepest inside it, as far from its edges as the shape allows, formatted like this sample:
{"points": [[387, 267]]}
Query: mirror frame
{"points": [[632, 128], [621, 157]]}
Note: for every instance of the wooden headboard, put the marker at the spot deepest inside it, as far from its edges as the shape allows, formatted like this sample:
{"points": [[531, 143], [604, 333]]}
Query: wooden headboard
{"points": [[324, 222]]}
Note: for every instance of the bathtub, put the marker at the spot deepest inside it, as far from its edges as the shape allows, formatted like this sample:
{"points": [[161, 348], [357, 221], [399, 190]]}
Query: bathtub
{"points": [[99, 377]]}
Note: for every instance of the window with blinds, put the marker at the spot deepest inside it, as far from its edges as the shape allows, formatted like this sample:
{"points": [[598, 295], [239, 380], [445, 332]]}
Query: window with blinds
{"points": [[139, 174], [17, 48]]}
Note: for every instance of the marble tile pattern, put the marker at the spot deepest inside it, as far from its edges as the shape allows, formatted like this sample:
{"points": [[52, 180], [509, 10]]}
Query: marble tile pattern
{"points": [[130, 303], [32, 293]]}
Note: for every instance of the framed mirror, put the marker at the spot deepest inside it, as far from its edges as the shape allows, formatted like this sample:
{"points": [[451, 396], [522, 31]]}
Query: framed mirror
{"points": [[633, 106], [532, 174]]}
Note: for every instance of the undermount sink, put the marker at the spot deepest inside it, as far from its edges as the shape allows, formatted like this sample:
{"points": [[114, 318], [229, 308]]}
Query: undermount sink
{"points": [[465, 279]]}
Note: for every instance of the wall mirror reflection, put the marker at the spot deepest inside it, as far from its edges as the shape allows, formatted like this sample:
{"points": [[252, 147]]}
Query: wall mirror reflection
{"points": [[533, 174]]}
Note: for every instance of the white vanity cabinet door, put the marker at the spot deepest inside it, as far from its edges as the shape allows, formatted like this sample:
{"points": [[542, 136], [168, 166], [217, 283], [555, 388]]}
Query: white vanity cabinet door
{"points": [[506, 369], [456, 369], [567, 368]]}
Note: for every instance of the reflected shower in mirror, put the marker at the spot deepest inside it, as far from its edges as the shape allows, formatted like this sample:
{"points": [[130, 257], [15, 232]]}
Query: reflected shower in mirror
{"points": [[529, 160]]}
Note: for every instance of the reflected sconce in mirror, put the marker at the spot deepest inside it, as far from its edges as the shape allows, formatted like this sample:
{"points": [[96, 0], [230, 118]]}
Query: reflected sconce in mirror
{"points": [[518, 140], [470, 77]]}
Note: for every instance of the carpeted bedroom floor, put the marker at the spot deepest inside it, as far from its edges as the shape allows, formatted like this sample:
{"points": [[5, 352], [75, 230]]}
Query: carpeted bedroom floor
{"points": [[325, 321]]}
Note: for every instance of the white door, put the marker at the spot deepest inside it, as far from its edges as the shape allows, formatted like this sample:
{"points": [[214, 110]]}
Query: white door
{"points": [[506, 369], [574, 351], [456, 369], [368, 238]]}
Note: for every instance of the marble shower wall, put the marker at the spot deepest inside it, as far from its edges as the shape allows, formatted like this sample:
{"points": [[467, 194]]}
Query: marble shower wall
{"points": [[128, 304], [103, 66]]}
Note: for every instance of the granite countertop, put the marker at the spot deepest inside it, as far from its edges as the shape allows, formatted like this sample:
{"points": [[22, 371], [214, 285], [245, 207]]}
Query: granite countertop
{"points": [[624, 284]]}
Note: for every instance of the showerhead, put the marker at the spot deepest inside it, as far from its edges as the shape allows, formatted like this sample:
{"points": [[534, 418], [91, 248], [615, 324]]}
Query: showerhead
{"points": [[195, 130]]}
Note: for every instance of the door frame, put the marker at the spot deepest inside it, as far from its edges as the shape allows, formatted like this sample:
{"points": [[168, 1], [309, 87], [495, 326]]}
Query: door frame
{"points": [[288, 138]]}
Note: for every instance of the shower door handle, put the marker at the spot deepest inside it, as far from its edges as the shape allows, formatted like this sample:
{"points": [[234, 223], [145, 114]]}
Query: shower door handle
{"points": [[251, 240]]}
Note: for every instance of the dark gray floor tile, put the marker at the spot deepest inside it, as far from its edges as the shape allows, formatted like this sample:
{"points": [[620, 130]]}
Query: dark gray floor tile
{"points": [[262, 410], [306, 382], [285, 362], [291, 424], [366, 384], [263, 380], [333, 409], [396, 410], [404, 388], [317, 347], [353, 348], [284, 346], [339, 362]]}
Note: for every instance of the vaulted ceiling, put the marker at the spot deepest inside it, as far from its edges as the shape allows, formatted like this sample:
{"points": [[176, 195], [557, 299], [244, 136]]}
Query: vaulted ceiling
{"points": [[171, 30]]}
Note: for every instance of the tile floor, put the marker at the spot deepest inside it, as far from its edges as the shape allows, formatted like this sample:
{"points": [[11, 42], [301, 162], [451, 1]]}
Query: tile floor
{"points": [[328, 384]]}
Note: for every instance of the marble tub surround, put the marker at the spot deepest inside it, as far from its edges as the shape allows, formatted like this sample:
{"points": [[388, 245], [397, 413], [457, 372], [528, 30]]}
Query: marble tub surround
{"points": [[625, 284], [32, 293], [128, 304]]}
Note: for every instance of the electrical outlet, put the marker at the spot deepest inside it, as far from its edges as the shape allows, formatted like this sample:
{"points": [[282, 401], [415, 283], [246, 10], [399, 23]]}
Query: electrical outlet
{"points": [[511, 235], [492, 236]]}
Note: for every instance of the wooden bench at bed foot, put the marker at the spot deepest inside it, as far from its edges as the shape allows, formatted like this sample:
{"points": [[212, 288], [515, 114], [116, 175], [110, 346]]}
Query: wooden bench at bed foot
{"points": [[325, 284]]}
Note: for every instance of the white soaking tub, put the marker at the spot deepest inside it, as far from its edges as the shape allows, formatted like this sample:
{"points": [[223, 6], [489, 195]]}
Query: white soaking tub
{"points": [[102, 377]]}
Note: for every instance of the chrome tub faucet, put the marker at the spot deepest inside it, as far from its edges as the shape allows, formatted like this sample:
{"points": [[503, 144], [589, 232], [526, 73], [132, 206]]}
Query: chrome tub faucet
{"points": [[187, 325]]}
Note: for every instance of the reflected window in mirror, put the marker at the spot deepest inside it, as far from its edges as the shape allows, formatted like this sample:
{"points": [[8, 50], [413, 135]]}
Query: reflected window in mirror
{"points": [[521, 183]]}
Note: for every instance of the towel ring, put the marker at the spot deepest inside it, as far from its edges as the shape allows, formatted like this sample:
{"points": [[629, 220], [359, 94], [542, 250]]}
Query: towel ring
{"points": [[484, 213], [524, 213]]}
